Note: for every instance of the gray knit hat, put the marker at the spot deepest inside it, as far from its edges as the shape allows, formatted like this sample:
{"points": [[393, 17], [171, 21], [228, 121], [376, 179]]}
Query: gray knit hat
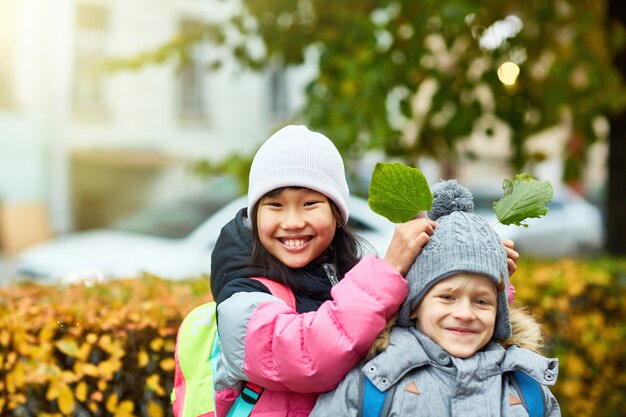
{"points": [[298, 157], [463, 242]]}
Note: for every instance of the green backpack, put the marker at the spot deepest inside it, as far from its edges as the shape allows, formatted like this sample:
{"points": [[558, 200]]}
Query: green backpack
{"points": [[196, 355]]}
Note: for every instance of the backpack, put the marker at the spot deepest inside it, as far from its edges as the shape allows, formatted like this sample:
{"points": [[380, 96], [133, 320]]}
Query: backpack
{"points": [[196, 354], [376, 403]]}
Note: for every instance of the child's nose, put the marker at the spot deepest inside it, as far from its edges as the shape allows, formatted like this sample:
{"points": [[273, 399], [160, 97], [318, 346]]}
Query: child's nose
{"points": [[464, 310], [292, 220]]}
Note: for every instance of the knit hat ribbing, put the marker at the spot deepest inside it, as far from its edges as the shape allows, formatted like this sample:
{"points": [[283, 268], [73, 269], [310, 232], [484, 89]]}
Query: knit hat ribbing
{"points": [[295, 156], [463, 242]]}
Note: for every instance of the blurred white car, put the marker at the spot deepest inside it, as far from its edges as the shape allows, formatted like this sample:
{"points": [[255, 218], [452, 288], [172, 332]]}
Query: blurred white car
{"points": [[171, 241], [572, 226]]}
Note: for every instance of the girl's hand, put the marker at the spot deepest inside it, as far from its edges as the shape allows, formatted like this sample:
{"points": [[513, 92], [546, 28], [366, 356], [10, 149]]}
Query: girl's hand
{"points": [[513, 256], [407, 242]]}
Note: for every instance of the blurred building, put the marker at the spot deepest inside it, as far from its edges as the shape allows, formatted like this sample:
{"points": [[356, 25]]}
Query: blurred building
{"points": [[79, 145]]}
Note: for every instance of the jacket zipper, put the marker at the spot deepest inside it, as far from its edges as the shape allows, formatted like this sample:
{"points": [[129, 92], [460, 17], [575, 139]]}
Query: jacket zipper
{"points": [[331, 273]]}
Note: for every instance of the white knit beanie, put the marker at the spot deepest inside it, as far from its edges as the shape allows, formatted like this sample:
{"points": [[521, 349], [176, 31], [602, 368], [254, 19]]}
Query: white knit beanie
{"points": [[298, 157]]}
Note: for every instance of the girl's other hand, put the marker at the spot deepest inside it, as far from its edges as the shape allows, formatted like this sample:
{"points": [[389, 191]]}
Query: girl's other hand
{"points": [[513, 256], [407, 242]]}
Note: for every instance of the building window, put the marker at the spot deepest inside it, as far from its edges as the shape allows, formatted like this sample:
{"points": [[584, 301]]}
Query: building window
{"points": [[279, 96], [193, 74], [8, 31], [91, 22]]}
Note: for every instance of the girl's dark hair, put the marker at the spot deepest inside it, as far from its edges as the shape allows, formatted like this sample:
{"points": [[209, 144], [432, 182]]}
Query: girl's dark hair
{"points": [[344, 250]]}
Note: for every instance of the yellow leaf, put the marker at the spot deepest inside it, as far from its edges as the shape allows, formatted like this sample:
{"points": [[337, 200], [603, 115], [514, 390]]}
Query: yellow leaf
{"points": [[167, 364], [125, 409], [15, 379], [53, 390], [21, 398], [153, 383], [10, 384], [154, 409], [47, 333], [67, 346], [16, 400], [84, 351], [170, 345], [88, 369], [81, 391], [68, 377], [156, 344], [143, 358], [111, 404], [110, 346], [108, 368], [11, 358], [91, 338], [576, 366], [102, 385], [66, 400], [5, 338]]}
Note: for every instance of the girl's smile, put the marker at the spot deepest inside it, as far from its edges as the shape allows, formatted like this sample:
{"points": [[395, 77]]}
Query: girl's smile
{"points": [[294, 243], [296, 226]]}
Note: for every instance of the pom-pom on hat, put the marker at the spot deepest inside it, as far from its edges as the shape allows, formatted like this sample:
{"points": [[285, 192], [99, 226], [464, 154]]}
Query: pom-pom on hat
{"points": [[463, 242], [298, 157]]}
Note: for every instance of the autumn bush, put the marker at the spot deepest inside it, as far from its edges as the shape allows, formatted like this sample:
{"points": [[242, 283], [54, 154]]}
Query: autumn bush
{"points": [[583, 307], [107, 349], [102, 350]]}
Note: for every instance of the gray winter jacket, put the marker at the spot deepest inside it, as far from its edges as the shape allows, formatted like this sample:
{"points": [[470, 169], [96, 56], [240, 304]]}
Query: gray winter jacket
{"points": [[430, 382]]}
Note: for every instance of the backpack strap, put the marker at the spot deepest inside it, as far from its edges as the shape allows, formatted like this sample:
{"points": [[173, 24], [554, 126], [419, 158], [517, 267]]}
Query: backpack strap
{"points": [[247, 398], [531, 392], [376, 403], [372, 401], [279, 290]]}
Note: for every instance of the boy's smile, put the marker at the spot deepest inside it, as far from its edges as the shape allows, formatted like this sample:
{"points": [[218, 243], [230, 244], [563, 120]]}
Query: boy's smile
{"points": [[459, 314], [296, 226]]}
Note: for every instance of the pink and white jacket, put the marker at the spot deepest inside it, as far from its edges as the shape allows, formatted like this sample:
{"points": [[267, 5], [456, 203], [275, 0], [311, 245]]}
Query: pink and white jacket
{"points": [[296, 356]]}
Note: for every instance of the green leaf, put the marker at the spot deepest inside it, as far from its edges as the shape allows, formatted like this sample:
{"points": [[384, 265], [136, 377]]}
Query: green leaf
{"points": [[398, 192], [524, 198]]}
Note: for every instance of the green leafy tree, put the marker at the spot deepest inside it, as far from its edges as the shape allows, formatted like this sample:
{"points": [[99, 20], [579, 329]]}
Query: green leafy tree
{"points": [[415, 78], [376, 59]]}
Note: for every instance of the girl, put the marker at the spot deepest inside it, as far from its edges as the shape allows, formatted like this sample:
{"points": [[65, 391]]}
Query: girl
{"points": [[298, 213], [456, 344]]}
